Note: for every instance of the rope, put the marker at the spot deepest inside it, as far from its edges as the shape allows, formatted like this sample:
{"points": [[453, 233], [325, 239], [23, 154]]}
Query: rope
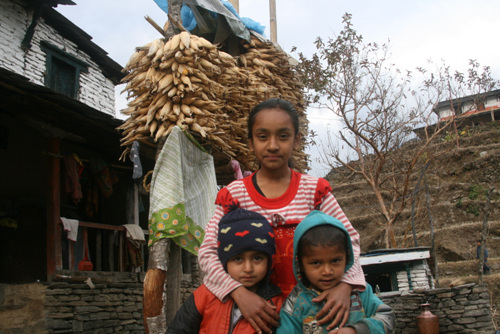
{"points": [[147, 186]]}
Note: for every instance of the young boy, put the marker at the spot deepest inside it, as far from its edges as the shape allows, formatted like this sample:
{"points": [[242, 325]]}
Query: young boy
{"points": [[323, 252], [245, 248]]}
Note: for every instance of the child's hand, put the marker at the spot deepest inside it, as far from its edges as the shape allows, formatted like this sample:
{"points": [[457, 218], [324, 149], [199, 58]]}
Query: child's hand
{"points": [[336, 308], [256, 310], [344, 330]]}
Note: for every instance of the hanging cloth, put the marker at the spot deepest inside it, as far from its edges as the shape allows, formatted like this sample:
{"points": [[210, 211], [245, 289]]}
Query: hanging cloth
{"points": [[183, 191], [74, 168]]}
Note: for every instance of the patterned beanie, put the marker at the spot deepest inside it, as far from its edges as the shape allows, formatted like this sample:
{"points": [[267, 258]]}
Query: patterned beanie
{"points": [[241, 230]]}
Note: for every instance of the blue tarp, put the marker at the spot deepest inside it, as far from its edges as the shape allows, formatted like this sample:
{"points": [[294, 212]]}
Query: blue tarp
{"points": [[239, 25]]}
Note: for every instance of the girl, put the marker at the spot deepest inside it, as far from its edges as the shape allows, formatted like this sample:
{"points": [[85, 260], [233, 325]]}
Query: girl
{"points": [[284, 197]]}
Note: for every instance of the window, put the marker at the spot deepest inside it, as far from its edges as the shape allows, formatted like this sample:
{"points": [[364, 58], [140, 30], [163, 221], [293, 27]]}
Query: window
{"points": [[62, 70]]}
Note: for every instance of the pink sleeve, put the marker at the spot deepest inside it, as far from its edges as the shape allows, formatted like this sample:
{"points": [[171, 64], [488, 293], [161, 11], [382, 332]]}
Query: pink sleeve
{"points": [[216, 279], [354, 276]]}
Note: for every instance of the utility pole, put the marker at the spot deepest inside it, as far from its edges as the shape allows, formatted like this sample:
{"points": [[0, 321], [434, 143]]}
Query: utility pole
{"points": [[272, 18]]}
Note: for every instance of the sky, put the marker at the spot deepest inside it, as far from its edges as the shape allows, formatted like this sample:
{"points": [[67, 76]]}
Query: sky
{"points": [[451, 30]]}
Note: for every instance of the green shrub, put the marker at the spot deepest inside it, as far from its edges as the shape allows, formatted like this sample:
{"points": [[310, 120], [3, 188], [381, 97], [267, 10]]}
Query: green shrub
{"points": [[475, 191]]}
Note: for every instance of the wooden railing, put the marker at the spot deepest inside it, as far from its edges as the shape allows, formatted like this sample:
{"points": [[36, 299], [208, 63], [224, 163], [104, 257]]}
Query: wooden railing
{"points": [[116, 259]]}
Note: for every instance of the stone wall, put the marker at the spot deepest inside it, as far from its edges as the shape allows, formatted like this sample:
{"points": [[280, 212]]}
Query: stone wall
{"points": [[96, 90], [108, 303], [462, 309], [104, 308], [116, 307]]}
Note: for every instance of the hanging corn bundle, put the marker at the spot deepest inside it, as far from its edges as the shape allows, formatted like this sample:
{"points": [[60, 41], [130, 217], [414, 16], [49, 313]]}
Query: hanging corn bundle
{"points": [[188, 82]]}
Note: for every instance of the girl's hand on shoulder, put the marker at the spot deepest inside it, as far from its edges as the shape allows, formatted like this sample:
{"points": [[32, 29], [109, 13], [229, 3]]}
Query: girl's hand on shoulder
{"points": [[261, 314], [337, 305]]}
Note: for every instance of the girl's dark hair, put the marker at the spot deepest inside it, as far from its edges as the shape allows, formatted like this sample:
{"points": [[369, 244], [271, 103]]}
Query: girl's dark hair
{"points": [[323, 235], [270, 104]]}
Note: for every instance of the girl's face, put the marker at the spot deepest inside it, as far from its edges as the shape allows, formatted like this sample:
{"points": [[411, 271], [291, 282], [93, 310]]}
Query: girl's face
{"points": [[273, 138]]}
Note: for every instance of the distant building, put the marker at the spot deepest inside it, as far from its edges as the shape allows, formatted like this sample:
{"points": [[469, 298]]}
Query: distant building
{"points": [[476, 108]]}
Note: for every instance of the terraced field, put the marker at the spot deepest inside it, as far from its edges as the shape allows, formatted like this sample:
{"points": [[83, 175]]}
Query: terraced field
{"points": [[458, 180]]}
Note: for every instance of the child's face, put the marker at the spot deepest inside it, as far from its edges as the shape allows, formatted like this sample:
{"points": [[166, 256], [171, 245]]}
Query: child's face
{"points": [[323, 266], [273, 138], [248, 268]]}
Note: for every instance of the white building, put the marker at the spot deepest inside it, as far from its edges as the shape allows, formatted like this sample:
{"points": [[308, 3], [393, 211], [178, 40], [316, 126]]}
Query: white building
{"points": [[43, 46], [478, 108]]}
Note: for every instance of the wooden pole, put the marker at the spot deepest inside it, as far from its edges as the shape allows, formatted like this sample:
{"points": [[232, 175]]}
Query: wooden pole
{"points": [[174, 278], [236, 5], [484, 234], [272, 18], [159, 279], [54, 250], [431, 223]]}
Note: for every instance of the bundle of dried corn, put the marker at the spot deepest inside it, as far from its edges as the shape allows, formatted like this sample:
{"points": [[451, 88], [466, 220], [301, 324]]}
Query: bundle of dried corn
{"points": [[187, 81]]}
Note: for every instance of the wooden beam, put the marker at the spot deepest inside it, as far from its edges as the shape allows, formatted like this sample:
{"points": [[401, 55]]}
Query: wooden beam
{"points": [[54, 252]]}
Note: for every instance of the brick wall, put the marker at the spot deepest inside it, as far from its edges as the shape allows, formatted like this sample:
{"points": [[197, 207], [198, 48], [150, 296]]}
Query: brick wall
{"points": [[95, 89]]}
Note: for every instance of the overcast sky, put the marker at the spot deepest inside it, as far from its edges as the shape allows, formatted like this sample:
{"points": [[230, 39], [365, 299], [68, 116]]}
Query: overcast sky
{"points": [[452, 30]]}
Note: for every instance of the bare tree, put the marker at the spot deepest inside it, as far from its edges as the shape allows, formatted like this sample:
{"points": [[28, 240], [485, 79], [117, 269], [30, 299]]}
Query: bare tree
{"points": [[379, 107]]}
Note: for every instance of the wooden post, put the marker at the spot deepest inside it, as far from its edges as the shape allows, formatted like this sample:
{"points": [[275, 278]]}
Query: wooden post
{"points": [[484, 233], [98, 251], [163, 277], [431, 223], [174, 278], [54, 251], [272, 18], [111, 252], [71, 254], [236, 5]]}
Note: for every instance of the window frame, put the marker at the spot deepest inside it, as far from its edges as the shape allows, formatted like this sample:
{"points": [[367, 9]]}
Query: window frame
{"points": [[52, 52]]}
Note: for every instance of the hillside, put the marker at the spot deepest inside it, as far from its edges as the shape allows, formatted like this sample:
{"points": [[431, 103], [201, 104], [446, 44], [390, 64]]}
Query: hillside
{"points": [[458, 179]]}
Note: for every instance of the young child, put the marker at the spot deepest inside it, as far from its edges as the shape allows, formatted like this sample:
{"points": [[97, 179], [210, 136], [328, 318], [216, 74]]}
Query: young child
{"points": [[245, 249], [323, 252], [284, 197]]}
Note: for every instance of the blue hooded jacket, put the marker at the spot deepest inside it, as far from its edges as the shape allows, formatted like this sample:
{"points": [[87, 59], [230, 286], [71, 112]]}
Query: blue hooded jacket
{"points": [[368, 314]]}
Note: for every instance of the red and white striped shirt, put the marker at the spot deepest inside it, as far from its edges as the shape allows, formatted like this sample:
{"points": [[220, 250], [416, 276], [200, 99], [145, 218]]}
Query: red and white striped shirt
{"points": [[304, 194]]}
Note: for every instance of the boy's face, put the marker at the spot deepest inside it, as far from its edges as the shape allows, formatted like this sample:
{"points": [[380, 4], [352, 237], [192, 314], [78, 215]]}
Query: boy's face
{"points": [[323, 266], [248, 268]]}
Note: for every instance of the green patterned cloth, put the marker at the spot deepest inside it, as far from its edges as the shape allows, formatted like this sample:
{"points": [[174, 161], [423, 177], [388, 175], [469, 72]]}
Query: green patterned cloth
{"points": [[183, 190]]}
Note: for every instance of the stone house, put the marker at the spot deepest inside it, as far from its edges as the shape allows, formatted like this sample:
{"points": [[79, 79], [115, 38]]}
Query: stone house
{"points": [[60, 151], [404, 269]]}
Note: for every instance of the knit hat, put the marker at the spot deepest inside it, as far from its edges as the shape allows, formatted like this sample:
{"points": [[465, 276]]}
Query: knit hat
{"points": [[241, 230]]}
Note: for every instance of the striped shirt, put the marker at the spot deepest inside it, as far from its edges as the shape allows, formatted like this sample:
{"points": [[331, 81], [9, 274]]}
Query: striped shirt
{"points": [[304, 194]]}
